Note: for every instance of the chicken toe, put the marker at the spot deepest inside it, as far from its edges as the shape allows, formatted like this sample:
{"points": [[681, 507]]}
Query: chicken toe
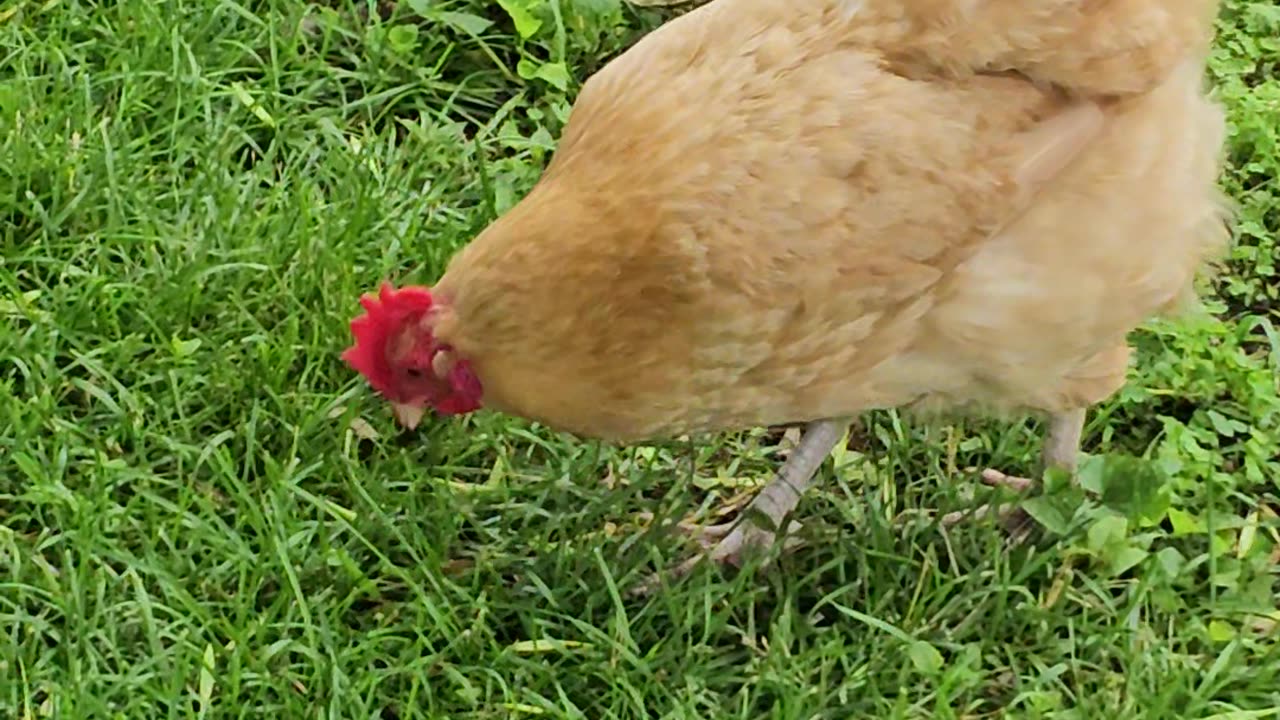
{"points": [[730, 542], [1013, 518], [1061, 448], [757, 526]]}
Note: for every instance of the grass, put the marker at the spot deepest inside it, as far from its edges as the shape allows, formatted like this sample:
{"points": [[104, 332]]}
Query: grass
{"points": [[204, 514]]}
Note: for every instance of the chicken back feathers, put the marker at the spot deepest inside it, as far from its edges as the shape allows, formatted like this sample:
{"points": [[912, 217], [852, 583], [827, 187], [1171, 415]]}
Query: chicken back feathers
{"points": [[1089, 47], [753, 219]]}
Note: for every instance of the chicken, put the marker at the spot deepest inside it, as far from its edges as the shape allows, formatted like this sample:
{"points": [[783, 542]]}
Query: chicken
{"points": [[754, 219], [1090, 47]]}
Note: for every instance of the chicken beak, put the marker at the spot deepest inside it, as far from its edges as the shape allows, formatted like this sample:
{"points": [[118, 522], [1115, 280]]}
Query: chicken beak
{"points": [[408, 415]]}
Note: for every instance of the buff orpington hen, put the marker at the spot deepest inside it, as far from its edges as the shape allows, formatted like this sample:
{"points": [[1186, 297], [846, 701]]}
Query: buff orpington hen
{"points": [[769, 213]]}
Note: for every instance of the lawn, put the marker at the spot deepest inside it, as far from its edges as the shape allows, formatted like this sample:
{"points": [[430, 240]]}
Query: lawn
{"points": [[204, 513]]}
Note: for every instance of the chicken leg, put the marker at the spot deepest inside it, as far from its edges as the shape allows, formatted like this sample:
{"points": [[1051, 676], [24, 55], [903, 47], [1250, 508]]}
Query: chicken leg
{"points": [[771, 505], [780, 496], [1060, 450], [728, 542], [776, 501]]}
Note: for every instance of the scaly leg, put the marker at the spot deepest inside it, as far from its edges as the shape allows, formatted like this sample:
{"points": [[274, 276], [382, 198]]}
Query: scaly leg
{"points": [[770, 506], [1060, 450]]}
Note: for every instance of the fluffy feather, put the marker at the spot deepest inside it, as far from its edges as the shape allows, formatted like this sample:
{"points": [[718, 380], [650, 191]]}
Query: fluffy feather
{"points": [[1090, 47], [759, 215]]}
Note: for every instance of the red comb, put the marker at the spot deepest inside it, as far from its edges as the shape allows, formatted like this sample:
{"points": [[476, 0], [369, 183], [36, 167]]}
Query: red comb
{"points": [[383, 315]]}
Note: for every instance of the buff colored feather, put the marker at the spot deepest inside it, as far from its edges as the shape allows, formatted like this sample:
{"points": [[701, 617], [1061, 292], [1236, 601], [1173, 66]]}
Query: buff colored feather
{"points": [[1091, 47]]}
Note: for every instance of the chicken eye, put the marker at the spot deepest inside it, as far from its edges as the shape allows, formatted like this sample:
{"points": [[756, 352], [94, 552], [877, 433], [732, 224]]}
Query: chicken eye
{"points": [[414, 373]]}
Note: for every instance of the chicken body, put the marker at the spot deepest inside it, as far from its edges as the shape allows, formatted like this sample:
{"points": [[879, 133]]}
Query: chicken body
{"points": [[749, 222], [758, 216]]}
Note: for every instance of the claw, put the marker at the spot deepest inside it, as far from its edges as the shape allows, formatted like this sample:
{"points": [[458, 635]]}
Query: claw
{"points": [[726, 543], [1017, 523], [1005, 514], [775, 501], [998, 479]]}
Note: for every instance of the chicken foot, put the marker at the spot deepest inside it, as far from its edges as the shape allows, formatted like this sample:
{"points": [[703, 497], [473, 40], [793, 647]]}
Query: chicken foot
{"points": [[729, 542], [775, 502], [1061, 450]]}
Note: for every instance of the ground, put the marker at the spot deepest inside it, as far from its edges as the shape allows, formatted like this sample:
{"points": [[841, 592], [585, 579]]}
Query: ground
{"points": [[203, 513]]}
